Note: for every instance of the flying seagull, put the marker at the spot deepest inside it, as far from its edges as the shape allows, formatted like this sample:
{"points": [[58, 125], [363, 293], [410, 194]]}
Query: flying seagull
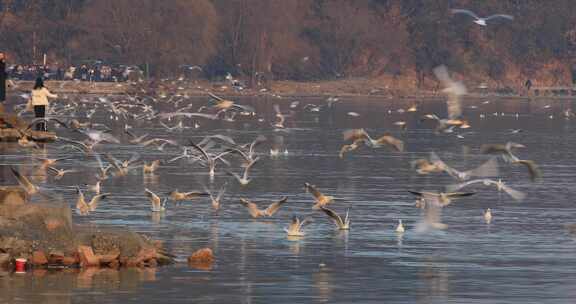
{"points": [[478, 20]]}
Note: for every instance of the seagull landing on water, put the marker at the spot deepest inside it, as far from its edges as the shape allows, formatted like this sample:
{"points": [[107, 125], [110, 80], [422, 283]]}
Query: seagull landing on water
{"points": [[295, 228], [400, 227], [488, 216], [158, 204], [478, 20], [343, 223]]}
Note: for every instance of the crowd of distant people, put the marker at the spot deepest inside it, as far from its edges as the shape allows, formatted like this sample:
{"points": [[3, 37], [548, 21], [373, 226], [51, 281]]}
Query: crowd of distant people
{"points": [[83, 72]]}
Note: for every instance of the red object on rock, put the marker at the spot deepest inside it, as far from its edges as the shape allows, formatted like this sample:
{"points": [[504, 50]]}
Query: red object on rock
{"points": [[20, 265]]}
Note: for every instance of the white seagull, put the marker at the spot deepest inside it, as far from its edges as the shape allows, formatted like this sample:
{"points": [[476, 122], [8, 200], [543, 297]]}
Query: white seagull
{"points": [[478, 20]]}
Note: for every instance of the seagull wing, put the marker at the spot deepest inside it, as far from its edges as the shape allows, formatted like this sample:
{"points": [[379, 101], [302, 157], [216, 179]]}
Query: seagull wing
{"points": [[107, 138], [202, 151], [346, 149], [130, 133], [312, 189], [54, 170], [250, 165], [244, 107], [487, 169], [79, 144], [94, 201], [454, 90], [334, 216], [273, 208], [135, 157], [24, 182], [113, 161], [194, 194], [354, 134], [499, 16], [515, 194], [533, 169], [416, 193], [456, 187], [215, 97], [440, 164], [154, 199], [307, 220], [100, 164], [464, 11], [227, 140], [392, 141], [252, 208], [460, 194], [259, 139], [81, 207]]}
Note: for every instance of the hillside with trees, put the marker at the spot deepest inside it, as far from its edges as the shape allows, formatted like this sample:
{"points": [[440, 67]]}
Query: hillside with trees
{"points": [[396, 40]]}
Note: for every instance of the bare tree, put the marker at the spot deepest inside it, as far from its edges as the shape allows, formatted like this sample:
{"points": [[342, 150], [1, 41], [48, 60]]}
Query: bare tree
{"points": [[163, 34]]}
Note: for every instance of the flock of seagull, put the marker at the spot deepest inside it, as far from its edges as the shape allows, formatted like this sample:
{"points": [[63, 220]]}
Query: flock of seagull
{"points": [[89, 138], [217, 153], [220, 151]]}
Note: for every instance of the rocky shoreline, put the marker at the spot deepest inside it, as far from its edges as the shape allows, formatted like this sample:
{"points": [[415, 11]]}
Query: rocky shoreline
{"points": [[44, 235]]}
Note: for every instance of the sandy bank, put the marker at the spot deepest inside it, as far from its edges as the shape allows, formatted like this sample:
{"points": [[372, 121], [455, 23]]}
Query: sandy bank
{"points": [[352, 87]]}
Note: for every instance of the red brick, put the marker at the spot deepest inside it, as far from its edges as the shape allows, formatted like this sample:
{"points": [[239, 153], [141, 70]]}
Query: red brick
{"points": [[39, 258], [87, 257], [202, 255], [108, 258]]}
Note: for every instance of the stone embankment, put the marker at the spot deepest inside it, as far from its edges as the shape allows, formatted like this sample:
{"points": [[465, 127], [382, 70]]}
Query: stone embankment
{"points": [[44, 235]]}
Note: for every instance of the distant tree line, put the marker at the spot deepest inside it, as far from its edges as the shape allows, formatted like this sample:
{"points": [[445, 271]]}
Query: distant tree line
{"points": [[296, 39]]}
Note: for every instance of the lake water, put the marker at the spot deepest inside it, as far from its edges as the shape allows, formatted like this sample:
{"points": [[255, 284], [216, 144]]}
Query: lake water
{"points": [[525, 255]]}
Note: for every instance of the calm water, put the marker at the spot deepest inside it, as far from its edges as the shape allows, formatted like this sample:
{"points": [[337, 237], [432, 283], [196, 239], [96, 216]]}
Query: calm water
{"points": [[524, 256]]}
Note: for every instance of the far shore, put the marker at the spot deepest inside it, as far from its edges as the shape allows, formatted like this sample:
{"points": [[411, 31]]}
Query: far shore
{"points": [[353, 88]]}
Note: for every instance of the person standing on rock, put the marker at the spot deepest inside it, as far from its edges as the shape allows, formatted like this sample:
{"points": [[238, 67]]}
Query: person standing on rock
{"points": [[2, 80], [528, 84], [39, 97]]}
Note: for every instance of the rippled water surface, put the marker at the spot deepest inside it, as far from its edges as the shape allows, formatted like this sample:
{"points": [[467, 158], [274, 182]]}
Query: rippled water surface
{"points": [[526, 255]]}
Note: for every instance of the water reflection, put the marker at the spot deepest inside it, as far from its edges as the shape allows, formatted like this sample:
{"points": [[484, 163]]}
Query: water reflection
{"points": [[157, 217], [295, 244], [399, 240], [322, 282], [257, 262], [436, 281], [151, 180], [60, 286]]}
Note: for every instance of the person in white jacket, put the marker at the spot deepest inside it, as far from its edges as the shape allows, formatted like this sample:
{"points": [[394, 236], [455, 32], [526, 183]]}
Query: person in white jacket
{"points": [[39, 97]]}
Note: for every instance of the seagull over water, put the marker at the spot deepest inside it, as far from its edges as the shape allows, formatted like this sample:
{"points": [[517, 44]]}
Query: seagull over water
{"points": [[478, 20], [454, 89]]}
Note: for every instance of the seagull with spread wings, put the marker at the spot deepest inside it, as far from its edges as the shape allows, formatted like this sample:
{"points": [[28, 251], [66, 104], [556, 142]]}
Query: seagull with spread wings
{"points": [[432, 204], [84, 208], [158, 205], [499, 184], [342, 223], [479, 20], [255, 212], [295, 228], [320, 199]]}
